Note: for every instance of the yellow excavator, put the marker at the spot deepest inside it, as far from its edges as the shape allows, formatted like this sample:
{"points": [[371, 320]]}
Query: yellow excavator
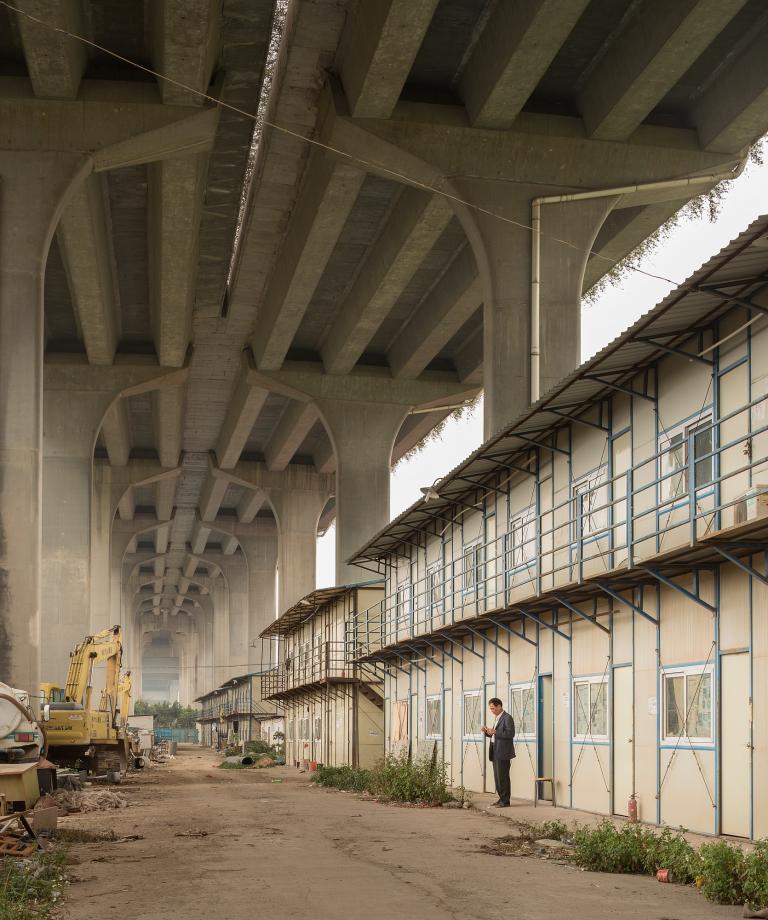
{"points": [[78, 732]]}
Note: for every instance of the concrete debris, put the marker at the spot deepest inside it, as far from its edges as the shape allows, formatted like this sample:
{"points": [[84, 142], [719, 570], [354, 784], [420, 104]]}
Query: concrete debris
{"points": [[89, 800]]}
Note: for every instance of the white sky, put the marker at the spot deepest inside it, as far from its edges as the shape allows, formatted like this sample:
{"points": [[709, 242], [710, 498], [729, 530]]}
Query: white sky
{"points": [[688, 246]]}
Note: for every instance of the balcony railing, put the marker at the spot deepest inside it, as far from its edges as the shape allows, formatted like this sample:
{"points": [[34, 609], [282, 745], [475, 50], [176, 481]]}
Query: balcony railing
{"points": [[677, 497], [329, 662]]}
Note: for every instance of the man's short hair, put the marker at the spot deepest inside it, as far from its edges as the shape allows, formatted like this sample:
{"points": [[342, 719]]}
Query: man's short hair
{"points": [[495, 701]]}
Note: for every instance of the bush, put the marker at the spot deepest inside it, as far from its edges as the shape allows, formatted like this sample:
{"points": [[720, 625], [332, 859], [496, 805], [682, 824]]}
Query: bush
{"points": [[397, 778], [670, 850], [548, 830], [755, 876], [259, 747], [610, 849], [722, 868]]}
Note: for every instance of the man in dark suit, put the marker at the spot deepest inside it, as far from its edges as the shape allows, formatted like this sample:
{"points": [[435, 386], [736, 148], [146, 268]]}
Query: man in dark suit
{"points": [[502, 736]]}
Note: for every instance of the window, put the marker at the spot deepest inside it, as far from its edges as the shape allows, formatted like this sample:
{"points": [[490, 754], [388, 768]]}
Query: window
{"points": [[590, 708], [472, 567], [673, 453], [399, 721], [404, 602], [688, 704], [522, 703], [291, 730], [473, 715], [521, 540], [590, 504], [318, 728], [434, 586], [304, 729], [434, 717]]}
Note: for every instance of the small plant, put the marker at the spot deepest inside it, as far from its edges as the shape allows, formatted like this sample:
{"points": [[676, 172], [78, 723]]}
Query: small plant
{"points": [[462, 795], [755, 876], [607, 848], [396, 778], [350, 779], [722, 868], [259, 747], [31, 888], [670, 850], [549, 830]]}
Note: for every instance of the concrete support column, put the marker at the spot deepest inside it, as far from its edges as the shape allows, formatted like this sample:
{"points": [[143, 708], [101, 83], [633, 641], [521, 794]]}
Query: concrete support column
{"points": [[236, 573], [503, 253], [363, 436], [70, 425], [220, 598], [261, 556], [33, 190], [297, 506]]}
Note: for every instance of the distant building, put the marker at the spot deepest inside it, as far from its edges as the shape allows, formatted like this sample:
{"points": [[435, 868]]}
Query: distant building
{"points": [[237, 711], [333, 705], [600, 565]]}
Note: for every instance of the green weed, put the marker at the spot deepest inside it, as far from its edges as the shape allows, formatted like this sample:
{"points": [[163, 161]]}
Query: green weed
{"points": [[30, 889], [396, 778]]}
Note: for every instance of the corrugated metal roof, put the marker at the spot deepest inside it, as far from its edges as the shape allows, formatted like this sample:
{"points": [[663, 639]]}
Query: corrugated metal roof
{"points": [[730, 278], [308, 606]]}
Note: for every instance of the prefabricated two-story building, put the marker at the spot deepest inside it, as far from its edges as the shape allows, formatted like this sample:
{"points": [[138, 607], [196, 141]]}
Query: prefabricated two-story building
{"points": [[600, 565], [333, 703], [238, 711]]}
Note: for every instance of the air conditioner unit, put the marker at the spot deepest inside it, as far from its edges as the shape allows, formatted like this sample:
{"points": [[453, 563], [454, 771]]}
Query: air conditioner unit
{"points": [[752, 504]]}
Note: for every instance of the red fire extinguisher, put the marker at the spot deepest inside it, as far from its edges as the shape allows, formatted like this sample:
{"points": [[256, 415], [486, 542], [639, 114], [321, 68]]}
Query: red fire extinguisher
{"points": [[632, 809]]}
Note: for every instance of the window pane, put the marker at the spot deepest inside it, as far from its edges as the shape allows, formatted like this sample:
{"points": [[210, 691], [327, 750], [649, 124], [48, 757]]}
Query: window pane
{"points": [[674, 706], [675, 461], [702, 445], [433, 717], [699, 713], [468, 568], [318, 725], [515, 701], [581, 709], [599, 709], [472, 714], [528, 721]]}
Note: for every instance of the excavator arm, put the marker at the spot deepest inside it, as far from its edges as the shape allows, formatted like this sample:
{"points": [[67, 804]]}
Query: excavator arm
{"points": [[104, 646]]}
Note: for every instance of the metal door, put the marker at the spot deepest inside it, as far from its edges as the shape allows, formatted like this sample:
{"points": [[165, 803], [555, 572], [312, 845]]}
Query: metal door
{"points": [[735, 745], [623, 740], [546, 736]]}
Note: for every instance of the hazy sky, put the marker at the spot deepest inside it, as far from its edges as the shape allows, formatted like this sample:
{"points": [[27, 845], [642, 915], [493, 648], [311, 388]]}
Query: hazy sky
{"points": [[688, 246]]}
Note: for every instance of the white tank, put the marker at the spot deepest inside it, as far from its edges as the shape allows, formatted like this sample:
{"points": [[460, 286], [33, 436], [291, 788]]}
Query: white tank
{"points": [[20, 738], [10, 716]]}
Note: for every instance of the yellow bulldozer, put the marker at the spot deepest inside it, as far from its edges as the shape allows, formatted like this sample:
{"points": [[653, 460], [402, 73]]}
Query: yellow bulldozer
{"points": [[79, 732]]}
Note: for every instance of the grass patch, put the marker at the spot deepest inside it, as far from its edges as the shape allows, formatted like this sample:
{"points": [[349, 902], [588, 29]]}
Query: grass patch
{"points": [[82, 835], [30, 889], [396, 778]]}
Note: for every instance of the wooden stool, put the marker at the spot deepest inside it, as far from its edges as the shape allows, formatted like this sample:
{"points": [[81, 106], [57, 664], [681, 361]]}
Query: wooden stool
{"points": [[543, 779]]}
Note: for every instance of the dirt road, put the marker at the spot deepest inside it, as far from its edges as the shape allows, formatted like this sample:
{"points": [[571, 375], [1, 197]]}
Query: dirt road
{"points": [[291, 850]]}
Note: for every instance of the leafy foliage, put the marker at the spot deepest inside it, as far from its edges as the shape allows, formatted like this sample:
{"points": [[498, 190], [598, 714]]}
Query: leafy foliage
{"points": [[755, 876], [722, 867], [168, 715], [396, 778]]}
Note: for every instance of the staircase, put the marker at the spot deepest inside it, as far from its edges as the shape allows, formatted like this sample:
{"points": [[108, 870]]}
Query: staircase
{"points": [[370, 693]]}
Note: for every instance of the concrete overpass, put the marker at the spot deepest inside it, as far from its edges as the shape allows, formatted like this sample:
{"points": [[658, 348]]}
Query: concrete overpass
{"points": [[201, 413]]}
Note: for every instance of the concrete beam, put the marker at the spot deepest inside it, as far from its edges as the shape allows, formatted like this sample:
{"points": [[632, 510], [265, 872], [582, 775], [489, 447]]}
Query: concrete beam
{"points": [[162, 538], [413, 227], [423, 424], [229, 545], [469, 361], [440, 315], [168, 406], [85, 243], [733, 112], [376, 52], [325, 458], [185, 40], [244, 408], [515, 49], [250, 504], [175, 198], [117, 433], [294, 425], [656, 46], [165, 496], [55, 62], [328, 192], [212, 496], [127, 505], [199, 537]]}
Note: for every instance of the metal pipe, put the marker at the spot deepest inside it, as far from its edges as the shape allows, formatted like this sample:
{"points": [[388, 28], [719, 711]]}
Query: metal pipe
{"points": [[536, 203]]}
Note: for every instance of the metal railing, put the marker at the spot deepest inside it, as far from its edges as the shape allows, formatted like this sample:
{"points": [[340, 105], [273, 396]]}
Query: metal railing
{"points": [[326, 662], [675, 497]]}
